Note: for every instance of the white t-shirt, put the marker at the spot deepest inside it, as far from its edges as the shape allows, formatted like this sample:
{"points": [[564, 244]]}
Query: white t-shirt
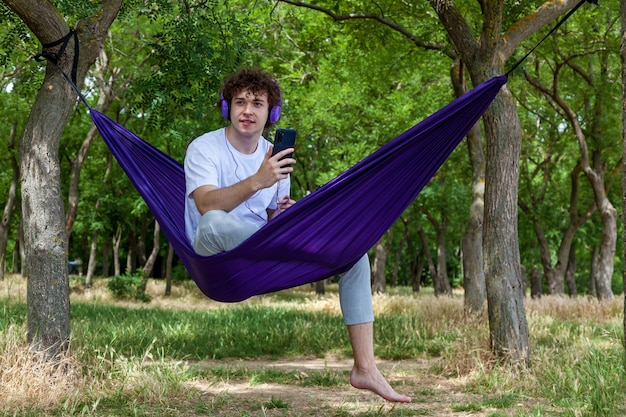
{"points": [[211, 160]]}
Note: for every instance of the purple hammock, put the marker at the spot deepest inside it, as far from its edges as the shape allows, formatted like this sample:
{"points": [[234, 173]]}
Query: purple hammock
{"points": [[327, 231]]}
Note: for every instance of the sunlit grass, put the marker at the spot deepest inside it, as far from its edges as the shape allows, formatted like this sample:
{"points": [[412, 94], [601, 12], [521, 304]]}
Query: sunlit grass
{"points": [[131, 358]]}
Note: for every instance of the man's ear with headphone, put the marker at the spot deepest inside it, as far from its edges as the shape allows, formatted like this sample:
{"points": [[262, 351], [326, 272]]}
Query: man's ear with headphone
{"points": [[274, 112]]}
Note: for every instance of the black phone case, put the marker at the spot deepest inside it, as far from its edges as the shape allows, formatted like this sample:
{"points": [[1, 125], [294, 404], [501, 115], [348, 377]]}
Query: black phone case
{"points": [[284, 139]]}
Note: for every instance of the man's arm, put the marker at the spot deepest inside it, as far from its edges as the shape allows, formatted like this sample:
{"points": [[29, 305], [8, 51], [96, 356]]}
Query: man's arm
{"points": [[209, 197]]}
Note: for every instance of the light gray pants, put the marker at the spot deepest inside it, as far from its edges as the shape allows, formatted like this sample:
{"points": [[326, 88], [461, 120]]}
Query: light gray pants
{"points": [[218, 232]]}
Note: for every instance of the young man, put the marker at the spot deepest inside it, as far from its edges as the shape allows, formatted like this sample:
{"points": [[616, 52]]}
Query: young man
{"points": [[234, 186]]}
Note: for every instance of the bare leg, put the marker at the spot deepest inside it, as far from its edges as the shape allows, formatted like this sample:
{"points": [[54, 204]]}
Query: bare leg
{"points": [[365, 373]]}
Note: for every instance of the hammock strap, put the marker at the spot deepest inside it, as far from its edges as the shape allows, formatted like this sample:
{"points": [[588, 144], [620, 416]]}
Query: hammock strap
{"points": [[567, 16], [54, 57]]}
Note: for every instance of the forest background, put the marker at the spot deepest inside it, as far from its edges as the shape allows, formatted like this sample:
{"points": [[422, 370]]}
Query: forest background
{"points": [[350, 85]]}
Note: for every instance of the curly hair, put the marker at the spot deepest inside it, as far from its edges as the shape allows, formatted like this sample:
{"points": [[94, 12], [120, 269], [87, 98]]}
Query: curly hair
{"points": [[257, 82]]}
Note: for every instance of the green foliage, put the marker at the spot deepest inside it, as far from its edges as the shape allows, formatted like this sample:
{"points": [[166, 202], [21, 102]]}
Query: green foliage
{"points": [[192, 49], [128, 287], [349, 87]]}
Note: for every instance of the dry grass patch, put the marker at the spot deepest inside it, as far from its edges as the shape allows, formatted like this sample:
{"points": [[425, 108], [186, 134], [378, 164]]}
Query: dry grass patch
{"points": [[29, 381]]}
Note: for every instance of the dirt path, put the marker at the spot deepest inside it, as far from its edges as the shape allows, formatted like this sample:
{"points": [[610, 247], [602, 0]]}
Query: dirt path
{"points": [[432, 395]]}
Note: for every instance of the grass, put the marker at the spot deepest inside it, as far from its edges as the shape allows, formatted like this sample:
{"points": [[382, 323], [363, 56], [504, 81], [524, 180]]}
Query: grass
{"points": [[186, 355]]}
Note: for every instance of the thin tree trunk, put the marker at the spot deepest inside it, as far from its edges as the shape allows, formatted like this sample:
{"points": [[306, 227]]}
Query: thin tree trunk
{"points": [[106, 255], [441, 280], [168, 270], [149, 265], [472, 241], [16, 258], [378, 270], [535, 283], [570, 274], [9, 207], [91, 263], [431, 265], [117, 239], [416, 283], [593, 274], [320, 287]]}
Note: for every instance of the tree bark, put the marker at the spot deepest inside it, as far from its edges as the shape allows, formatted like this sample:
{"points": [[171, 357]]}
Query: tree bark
{"points": [[429, 259], [507, 318], [91, 263], [593, 273], [320, 287], [168, 270], [9, 207], [535, 283], [441, 280], [117, 239], [106, 255], [472, 241], [42, 203], [148, 267], [416, 283], [378, 270], [570, 274]]}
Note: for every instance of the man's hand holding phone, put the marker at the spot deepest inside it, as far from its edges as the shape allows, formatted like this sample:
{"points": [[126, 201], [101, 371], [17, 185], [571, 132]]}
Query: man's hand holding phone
{"points": [[284, 139]]}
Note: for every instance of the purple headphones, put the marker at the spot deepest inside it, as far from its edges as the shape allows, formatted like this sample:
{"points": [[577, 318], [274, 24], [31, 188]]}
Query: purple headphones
{"points": [[274, 112]]}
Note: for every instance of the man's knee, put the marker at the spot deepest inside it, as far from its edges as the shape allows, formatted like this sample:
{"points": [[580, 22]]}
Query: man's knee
{"points": [[219, 231]]}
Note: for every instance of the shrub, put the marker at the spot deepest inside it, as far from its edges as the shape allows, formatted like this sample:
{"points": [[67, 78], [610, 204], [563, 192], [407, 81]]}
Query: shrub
{"points": [[128, 287]]}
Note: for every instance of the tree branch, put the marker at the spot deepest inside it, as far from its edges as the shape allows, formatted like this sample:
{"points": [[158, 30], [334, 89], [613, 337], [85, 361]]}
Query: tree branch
{"points": [[379, 18], [531, 23]]}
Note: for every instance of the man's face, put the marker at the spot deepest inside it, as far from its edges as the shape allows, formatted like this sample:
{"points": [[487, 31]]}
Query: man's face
{"points": [[249, 112]]}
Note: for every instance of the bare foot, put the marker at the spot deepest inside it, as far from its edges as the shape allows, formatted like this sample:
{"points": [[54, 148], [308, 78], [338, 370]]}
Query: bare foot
{"points": [[372, 380]]}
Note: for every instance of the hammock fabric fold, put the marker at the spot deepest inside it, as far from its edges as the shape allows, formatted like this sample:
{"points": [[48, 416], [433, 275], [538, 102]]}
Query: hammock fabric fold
{"points": [[327, 231]]}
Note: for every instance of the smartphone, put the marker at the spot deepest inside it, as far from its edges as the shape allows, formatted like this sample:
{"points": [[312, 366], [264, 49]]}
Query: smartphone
{"points": [[283, 139]]}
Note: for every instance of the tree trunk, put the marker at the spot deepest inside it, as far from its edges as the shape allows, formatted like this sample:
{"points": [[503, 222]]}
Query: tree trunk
{"points": [[535, 283], [168, 270], [393, 279], [472, 241], [507, 318], [117, 239], [570, 274], [378, 270], [431, 265], [9, 207], [148, 267], [320, 287], [131, 256], [106, 255], [16, 257], [42, 203], [593, 273], [91, 262], [441, 281], [22, 250], [416, 283]]}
